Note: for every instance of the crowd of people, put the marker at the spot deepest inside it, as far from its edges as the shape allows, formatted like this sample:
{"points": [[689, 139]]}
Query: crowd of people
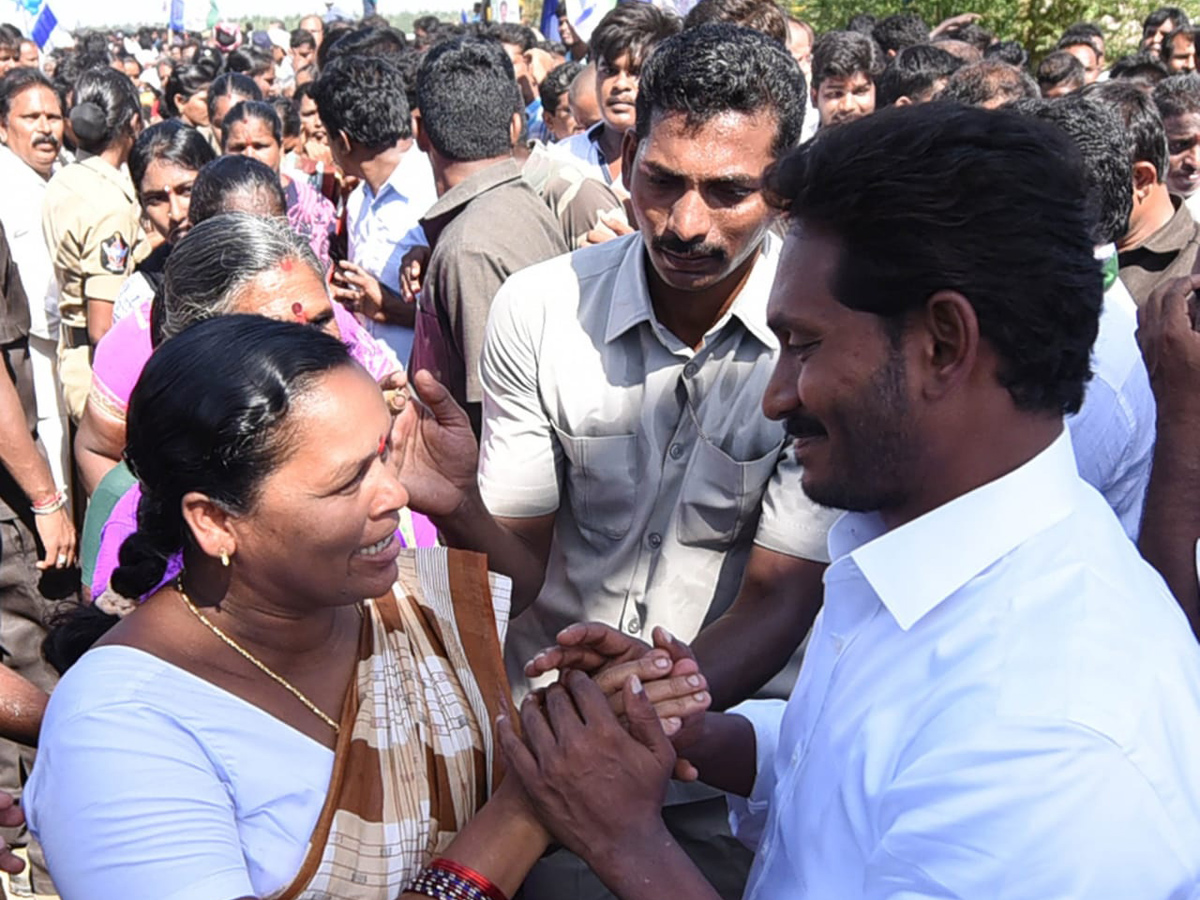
{"points": [[708, 459]]}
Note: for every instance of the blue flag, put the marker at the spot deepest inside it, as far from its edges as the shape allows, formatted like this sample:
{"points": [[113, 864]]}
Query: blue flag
{"points": [[550, 20], [177, 15], [44, 25]]}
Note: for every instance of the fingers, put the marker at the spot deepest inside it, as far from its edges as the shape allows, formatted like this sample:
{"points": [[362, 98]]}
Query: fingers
{"points": [[11, 815], [9, 862], [434, 395], [538, 733], [562, 714], [667, 641], [554, 658], [649, 668], [644, 725], [589, 699], [685, 771], [520, 761], [673, 698]]}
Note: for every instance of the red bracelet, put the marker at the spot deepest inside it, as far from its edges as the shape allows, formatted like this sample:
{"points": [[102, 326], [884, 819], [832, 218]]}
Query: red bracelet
{"points": [[479, 881]]}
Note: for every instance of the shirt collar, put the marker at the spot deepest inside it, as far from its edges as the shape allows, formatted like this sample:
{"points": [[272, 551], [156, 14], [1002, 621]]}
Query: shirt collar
{"points": [[23, 170], [631, 296], [913, 568], [413, 165], [1175, 235], [464, 192]]}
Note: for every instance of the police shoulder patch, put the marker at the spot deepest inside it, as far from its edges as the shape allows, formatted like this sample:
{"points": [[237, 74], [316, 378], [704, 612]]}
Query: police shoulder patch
{"points": [[114, 254]]}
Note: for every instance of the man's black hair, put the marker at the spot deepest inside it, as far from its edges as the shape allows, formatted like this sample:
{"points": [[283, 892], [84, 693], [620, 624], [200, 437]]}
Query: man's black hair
{"points": [[843, 54], [1097, 133], [425, 23], [1143, 124], [634, 29], [1011, 52], [1178, 95], [898, 31], [1143, 66], [556, 83], [1168, 44], [914, 72], [386, 42], [706, 71], [301, 38], [19, 80], [364, 97], [910, 195], [761, 15], [863, 23], [1076, 38], [989, 82], [468, 94], [512, 33], [1060, 69], [1154, 21]]}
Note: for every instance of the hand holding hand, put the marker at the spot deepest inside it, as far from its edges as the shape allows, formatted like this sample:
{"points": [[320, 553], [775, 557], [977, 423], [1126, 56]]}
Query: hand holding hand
{"points": [[11, 816], [412, 270], [593, 785]]}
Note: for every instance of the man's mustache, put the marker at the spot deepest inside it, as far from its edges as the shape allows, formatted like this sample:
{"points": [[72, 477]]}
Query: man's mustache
{"points": [[694, 249], [46, 140], [802, 426]]}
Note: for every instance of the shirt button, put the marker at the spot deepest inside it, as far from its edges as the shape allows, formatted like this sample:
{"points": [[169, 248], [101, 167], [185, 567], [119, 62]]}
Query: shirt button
{"points": [[838, 645], [689, 371], [654, 539], [634, 625], [676, 451]]}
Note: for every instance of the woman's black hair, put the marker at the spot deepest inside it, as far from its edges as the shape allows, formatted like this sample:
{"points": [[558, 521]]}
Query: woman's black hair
{"points": [[229, 176], [231, 84], [171, 141], [185, 80], [289, 115], [106, 104], [211, 59], [252, 109], [248, 61], [209, 415]]}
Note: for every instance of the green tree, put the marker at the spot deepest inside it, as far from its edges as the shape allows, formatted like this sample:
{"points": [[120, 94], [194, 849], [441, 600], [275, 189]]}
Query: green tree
{"points": [[1037, 24]]}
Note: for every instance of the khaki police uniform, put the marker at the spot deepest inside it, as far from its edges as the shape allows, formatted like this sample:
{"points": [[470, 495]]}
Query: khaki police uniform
{"points": [[91, 221]]}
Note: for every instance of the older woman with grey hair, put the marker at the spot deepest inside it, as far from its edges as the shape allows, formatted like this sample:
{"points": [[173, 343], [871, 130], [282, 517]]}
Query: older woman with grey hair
{"points": [[231, 263]]}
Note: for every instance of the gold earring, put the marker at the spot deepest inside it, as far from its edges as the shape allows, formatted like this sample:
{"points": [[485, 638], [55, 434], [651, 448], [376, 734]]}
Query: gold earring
{"points": [[225, 558]]}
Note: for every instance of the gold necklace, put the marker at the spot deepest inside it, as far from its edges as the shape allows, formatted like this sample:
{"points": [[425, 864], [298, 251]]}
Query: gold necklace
{"points": [[274, 676]]}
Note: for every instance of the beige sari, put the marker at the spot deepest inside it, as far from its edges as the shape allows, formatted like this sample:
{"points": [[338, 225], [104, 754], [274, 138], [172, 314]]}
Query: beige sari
{"points": [[415, 756]]}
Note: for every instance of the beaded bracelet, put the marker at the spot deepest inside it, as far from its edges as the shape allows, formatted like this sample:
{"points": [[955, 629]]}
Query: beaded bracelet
{"points": [[444, 879], [57, 502]]}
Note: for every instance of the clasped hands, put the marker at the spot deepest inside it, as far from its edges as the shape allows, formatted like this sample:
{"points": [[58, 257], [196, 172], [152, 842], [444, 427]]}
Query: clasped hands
{"points": [[599, 746]]}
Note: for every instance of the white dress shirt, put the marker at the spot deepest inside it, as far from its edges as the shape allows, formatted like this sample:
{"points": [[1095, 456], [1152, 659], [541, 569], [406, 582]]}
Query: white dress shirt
{"points": [[383, 227], [21, 214], [1113, 432], [1000, 699]]}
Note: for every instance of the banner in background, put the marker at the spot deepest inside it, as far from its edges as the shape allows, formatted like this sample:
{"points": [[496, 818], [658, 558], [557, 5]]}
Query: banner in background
{"points": [[43, 26]]}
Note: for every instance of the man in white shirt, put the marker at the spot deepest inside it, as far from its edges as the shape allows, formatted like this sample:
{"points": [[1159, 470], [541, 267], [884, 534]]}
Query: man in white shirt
{"points": [[1000, 697], [362, 104], [31, 127]]}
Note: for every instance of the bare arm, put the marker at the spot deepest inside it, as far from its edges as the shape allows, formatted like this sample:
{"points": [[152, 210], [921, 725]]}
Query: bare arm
{"points": [[1171, 519], [99, 319], [775, 607], [20, 457], [99, 443]]}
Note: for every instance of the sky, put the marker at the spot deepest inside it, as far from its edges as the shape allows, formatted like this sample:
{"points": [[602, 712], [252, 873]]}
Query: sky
{"points": [[74, 14]]}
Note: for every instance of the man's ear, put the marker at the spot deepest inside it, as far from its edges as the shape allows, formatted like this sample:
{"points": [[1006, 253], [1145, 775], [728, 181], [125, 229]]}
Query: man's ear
{"points": [[951, 342], [419, 130], [1145, 177], [515, 127]]}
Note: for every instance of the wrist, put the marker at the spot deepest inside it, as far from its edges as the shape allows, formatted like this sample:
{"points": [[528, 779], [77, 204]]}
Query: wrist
{"points": [[626, 860], [48, 504], [469, 509]]}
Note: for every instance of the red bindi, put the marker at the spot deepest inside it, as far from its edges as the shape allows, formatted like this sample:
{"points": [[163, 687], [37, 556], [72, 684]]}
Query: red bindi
{"points": [[382, 445], [286, 265], [299, 313]]}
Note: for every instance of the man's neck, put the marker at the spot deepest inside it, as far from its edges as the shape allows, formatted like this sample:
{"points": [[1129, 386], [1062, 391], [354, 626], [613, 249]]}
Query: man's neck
{"points": [[448, 175], [1155, 212], [690, 315], [377, 169], [961, 466]]}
